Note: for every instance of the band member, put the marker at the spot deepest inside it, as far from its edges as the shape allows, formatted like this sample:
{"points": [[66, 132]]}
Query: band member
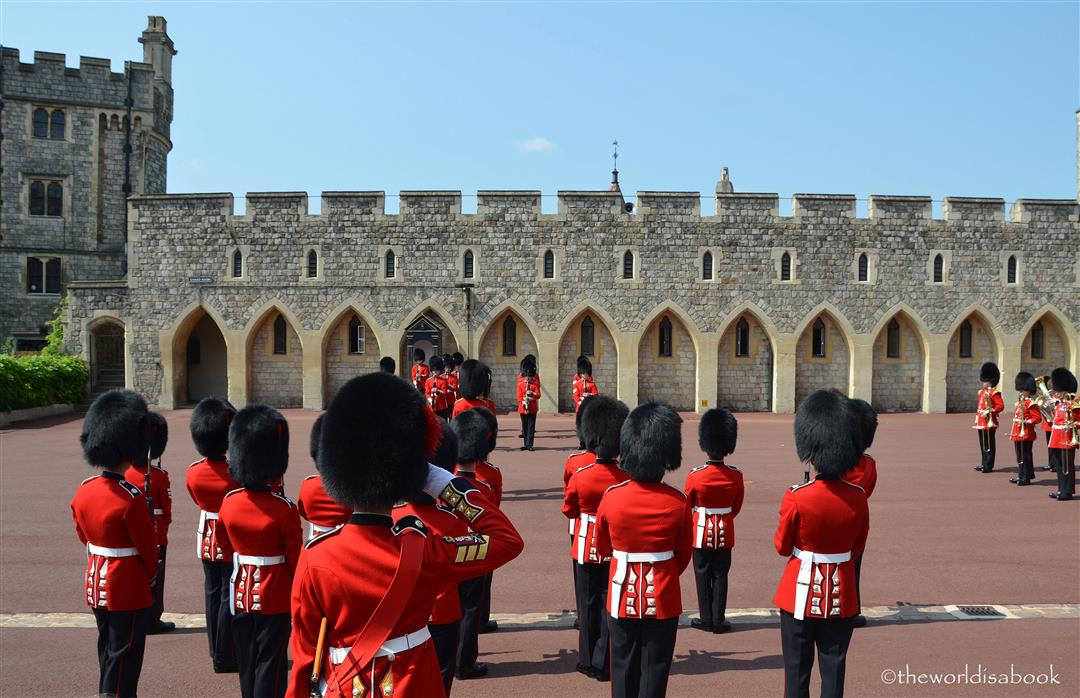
{"points": [[646, 559], [388, 365], [1025, 418], [113, 521], [601, 427], [159, 495], [823, 526], [1048, 424], [577, 459], [474, 380], [263, 528], [989, 407], [865, 476], [715, 493], [436, 389], [208, 481], [314, 505], [420, 370], [377, 580], [1065, 435], [453, 391], [489, 473], [528, 400], [583, 384]]}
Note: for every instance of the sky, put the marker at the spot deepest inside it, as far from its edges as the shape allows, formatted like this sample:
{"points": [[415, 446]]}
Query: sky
{"points": [[913, 98]]}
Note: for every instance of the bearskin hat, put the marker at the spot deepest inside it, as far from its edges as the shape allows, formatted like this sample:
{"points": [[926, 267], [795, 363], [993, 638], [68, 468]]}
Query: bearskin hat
{"points": [[867, 417], [159, 434], [474, 379], [388, 365], [528, 368], [584, 366], [459, 358], [717, 433], [651, 442], [474, 435], [1025, 381], [377, 437], [436, 363], [493, 428], [828, 434], [448, 361], [210, 422], [313, 440], [116, 430], [446, 454], [990, 373], [1063, 380], [581, 413], [601, 422], [419, 355], [258, 446]]}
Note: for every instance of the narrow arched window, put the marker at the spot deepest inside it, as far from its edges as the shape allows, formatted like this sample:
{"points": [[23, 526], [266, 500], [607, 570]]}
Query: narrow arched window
{"points": [[892, 340], [41, 123], [785, 267], [467, 265], [55, 199], [390, 266], [281, 345], [965, 339], [509, 337], [628, 265], [588, 337], [56, 124], [357, 335], [939, 269], [237, 264], [742, 338], [667, 344], [1011, 271], [864, 267], [706, 267], [52, 275], [549, 265], [312, 264], [818, 339], [1038, 341], [37, 198]]}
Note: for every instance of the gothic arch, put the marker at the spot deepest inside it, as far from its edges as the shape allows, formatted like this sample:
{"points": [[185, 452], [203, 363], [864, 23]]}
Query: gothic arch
{"points": [[899, 383], [1059, 342], [1067, 327], [847, 331], [274, 378], [265, 310], [505, 367], [195, 352], [335, 316], [672, 308], [835, 368], [605, 358], [434, 307], [582, 308], [917, 323], [745, 383], [339, 365], [962, 372], [671, 376], [745, 308], [510, 304]]}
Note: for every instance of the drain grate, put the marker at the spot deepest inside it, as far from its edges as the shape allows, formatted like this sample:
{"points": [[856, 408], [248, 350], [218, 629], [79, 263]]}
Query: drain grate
{"points": [[980, 611]]}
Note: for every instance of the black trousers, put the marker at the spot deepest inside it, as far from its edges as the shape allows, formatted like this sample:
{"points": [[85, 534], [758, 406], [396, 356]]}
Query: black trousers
{"points": [[1053, 458], [485, 600], [1066, 474], [158, 590], [798, 638], [120, 646], [988, 447], [528, 428], [445, 414], [445, 639], [591, 587], [1024, 463], [219, 614], [471, 595], [858, 579], [262, 644], [711, 572], [641, 652]]}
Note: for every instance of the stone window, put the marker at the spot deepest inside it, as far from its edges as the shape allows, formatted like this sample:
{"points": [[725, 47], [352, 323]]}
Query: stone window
{"points": [[281, 345], [237, 264], [467, 265], [1038, 341], [628, 265], [509, 337], [46, 197], [549, 265], [312, 264], [588, 337], [49, 123], [818, 340], [785, 267], [707, 266], [742, 339], [357, 336], [43, 275], [939, 269], [965, 339], [892, 340], [390, 265], [864, 268], [666, 348], [1010, 274]]}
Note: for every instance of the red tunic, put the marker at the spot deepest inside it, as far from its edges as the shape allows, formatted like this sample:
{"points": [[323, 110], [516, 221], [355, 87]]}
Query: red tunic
{"points": [[583, 386], [640, 520], [452, 387], [465, 404], [318, 508], [710, 489], [864, 474], [437, 392], [528, 395], [989, 407], [574, 461], [420, 373], [827, 517], [581, 502], [261, 524], [208, 481], [1061, 433], [160, 495], [1025, 416], [347, 571], [113, 521], [441, 521]]}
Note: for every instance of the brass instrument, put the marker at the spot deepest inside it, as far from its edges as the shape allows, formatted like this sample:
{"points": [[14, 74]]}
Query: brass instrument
{"points": [[1073, 402], [1023, 417], [1045, 401]]}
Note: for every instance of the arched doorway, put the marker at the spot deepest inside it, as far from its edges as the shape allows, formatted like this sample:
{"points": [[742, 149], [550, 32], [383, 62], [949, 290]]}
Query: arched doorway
{"points": [[203, 365], [744, 374], [505, 342], [971, 344], [428, 332], [587, 334], [667, 363], [899, 360], [275, 362], [822, 358], [106, 356], [350, 349]]}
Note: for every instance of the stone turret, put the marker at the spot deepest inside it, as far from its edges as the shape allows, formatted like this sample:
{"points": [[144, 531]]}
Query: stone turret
{"points": [[158, 48]]}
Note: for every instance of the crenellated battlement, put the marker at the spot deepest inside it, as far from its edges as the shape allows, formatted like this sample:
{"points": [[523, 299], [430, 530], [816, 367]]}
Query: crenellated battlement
{"points": [[93, 83]]}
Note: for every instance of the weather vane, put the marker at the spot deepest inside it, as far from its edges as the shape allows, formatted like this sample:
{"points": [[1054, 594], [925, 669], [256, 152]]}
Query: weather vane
{"points": [[615, 155]]}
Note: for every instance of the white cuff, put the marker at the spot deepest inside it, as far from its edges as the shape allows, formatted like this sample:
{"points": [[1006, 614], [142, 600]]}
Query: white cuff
{"points": [[437, 480]]}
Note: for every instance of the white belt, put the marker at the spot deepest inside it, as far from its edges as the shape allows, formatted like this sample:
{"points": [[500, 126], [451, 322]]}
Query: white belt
{"points": [[622, 559], [204, 516], [396, 645], [159, 512], [702, 514], [583, 534], [802, 582], [260, 560], [1061, 426], [110, 552]]}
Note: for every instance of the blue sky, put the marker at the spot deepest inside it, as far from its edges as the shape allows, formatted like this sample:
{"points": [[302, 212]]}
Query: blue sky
{"points": [[963, 99]]}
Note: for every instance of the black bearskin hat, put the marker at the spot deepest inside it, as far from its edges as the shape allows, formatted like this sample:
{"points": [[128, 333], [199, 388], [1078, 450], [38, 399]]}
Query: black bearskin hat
{"points": [[531, 358], [419, 355], [474, 435], [313, 440], [459, 358], [1063, 380], [584, 366], [867, 417], [448, 362], [210, 422], [828, 434], [493, 427], [388, 365], [258, 446], [473, 379], [1025, 381], [717, 433], [601, 424], [446, 454], [159, 434], [377, 437], [436, 363], [651, 442], [990, 373], [116, 430], [581, 413], [528, 367]]}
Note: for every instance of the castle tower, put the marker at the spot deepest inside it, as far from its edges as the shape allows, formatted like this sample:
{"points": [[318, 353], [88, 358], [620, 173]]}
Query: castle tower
{"points": [[158, 48]]}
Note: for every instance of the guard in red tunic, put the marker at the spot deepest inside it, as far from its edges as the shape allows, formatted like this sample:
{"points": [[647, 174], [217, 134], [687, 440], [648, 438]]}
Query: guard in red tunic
{"points": [[582, 386], [315, 506], [208, 481], [158, 492], [578, 459], [113, 521], [646, 527], [865, 476], [372, 583], [437, 389], [989, 407], [388, 365], [452, 389], [1065, 433], [528, 402], [1046, 409], [715, 493], [823, 527], [474, 380], [490, 474], [601, 426], [1026, 417], [420, 370]]}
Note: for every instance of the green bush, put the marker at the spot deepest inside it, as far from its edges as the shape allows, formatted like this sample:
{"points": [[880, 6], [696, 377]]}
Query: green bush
{"points": [[44, 379]]}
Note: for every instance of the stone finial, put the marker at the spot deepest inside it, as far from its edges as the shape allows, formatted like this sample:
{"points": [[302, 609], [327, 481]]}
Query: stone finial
{"points": [[724, 186]]}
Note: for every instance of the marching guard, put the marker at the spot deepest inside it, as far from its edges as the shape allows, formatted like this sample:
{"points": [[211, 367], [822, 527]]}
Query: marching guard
{"points": [[1065, 434], [381, 578], [420, 370], [715, 493], [528, 400], [314, 505], [1025, 418], [113, 521], [437, 390], [583, 385], [988, 408], [1045, 402], [452, 388], [474, 380]]}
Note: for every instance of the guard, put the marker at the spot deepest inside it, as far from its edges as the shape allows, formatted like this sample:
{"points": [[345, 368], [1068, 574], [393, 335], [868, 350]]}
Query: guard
{"points": [[582, 385], [437, 389], [420, 370], [1026, 417], [1065, 436], [315, 506], [528, 401], [474, 380], [989, 407]]}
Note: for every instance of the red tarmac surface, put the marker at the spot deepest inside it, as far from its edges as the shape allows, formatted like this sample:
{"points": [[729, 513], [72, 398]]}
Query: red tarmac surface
{"points": [[940, 534]]}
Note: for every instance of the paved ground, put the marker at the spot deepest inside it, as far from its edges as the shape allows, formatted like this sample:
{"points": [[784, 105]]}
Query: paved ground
{"points": [[941, 535]]}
